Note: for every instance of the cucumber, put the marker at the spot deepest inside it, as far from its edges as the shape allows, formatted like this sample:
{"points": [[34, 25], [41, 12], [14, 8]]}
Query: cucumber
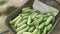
{"points": [[53, 20], [35, 31], [25, 17], [45, 18], [14, 20], [21, 27], [41, 26], [24, 30], [13, 27], [32, 24], [33, 11], [24, 14], [38, 21], [25, 8], [39, 32], [44, 31], [49, 27], [29, 20], [23, 22], [48, 13], [34, 15], [31, 29], [18, 21], [40, 15], [27, 33], [49, 20]]}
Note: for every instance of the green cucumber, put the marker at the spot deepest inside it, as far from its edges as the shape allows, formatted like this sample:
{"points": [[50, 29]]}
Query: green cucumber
{"points": [[39, 32], [25, 17], [24, 30], [34, 15], [25, 8], [48, 13], [49, 20], [35, 31], [49, 27], [44, 31], [41, 26], [21, 27], [14, 20], [27, 33], [21, 23], [40, 15], [18, 21], [24, 14], [38, 21], [45, 18], [33, 11], [53, 20], [29, 20], [33, 22], [31, 29]]}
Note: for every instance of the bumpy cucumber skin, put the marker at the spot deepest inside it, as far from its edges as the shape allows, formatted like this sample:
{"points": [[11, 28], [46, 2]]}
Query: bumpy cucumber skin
{"points": [[21, 27], [31, 29], [49, 20], [41, 25], [29, 20], [18, 21], [24, 30], [49, 27], [23, 22], [35, 31], [39, 32], [38, 21], [44, 31], [14, 20]]}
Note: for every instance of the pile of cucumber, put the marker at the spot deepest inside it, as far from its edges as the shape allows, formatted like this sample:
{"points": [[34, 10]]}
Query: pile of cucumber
{"points": [[31, 21]]}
